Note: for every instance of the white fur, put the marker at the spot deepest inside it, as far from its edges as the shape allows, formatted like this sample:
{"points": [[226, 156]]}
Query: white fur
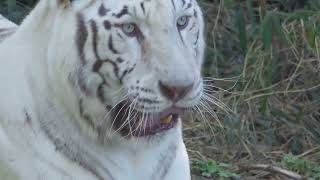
{"points": [[37, 100], [6, 28]]}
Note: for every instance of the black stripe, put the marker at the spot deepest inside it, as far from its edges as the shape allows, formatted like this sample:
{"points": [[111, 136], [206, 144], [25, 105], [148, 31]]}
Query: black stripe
{"points": [[123, 12], [126, 72], [195, 13], [67, 150], [148, 101], [107, 24], [102, 10], [119, 35], [94, 29], [115, 67], [6, 30], [100, 93], [6, 34], [81, 83], [188, 6], [142, 7], [97, 65], [131, 69], [99, 62], [111, 47], [174, 6], [165, 162], [81, 37], [197, 37], [120, 60], [183, 2], [180, 35], [85, 116]]}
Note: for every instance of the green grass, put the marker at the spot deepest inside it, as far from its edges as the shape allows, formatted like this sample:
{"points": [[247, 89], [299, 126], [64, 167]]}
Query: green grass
{"points": [[214, 169], [301, 165], [263, 57], [266, 57]]}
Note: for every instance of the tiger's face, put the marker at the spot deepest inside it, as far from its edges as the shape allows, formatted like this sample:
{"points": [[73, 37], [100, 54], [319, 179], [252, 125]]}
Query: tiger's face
{"points": [[140, 59]]}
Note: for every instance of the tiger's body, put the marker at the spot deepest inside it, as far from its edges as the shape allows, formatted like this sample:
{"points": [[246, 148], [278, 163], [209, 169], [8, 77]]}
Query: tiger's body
{"points": [[65, 74]]}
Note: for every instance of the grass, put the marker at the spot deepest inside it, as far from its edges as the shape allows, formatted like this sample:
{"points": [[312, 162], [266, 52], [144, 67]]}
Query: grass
{"points": [[301, 165], [214, 169], [263, 57]]}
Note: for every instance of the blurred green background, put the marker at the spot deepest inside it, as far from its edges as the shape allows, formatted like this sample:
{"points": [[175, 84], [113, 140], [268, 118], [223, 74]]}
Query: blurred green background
{"points": [[263, 67], [16, 10]]}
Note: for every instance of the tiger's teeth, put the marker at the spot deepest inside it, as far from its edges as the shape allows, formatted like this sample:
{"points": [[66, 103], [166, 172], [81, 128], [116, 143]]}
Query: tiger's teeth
{"points": [[167, 119]]}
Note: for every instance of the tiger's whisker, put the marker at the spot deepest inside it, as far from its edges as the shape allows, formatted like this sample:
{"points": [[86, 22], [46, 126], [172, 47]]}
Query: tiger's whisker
{"points": [[130, 107]]}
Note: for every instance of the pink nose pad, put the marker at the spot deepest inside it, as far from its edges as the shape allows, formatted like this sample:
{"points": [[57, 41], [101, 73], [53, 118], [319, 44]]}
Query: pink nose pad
{"points": [[174, 93]]}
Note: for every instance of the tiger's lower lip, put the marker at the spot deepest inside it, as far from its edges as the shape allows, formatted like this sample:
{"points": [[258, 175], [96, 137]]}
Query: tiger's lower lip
{"points": [[141, 125]]}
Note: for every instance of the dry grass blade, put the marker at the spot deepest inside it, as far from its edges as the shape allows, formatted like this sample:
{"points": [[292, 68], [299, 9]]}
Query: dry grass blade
{"points": [[273, 169]]}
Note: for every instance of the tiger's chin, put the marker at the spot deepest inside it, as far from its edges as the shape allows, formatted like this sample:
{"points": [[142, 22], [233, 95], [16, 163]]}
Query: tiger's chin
{"points": [[134, 123]]}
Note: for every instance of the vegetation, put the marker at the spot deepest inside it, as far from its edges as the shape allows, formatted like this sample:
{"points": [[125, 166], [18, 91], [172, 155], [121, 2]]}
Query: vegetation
{"points": [[263, 65]]}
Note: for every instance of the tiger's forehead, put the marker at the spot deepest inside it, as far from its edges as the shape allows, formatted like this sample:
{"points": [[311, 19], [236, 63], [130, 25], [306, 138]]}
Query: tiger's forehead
{"points": [[150, 11]]}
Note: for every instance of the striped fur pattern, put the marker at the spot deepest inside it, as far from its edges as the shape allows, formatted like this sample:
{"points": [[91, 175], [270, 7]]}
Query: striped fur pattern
{"points": [[75, 67]]}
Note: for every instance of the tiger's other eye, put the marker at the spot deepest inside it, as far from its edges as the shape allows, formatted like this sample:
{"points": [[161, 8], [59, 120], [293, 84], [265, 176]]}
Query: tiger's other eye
{"points": [[130, 29], [183, 22]]}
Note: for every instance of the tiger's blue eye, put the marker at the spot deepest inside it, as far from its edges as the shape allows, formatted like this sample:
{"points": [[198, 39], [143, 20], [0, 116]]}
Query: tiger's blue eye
{"points": [[183, 22], [130, 29]]}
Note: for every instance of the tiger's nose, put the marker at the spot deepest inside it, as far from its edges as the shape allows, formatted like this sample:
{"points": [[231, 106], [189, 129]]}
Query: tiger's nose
{"points": [[174, 93]]}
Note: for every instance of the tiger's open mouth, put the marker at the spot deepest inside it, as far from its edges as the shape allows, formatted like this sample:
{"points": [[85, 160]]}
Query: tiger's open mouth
{"points": [[131, 122]]}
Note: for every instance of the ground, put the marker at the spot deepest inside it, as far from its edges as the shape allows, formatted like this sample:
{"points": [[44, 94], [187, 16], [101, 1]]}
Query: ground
{"points": [[263, 60]]}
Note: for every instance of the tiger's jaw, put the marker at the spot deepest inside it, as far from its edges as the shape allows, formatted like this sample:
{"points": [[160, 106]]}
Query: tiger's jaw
{"points": [[133, 123]]}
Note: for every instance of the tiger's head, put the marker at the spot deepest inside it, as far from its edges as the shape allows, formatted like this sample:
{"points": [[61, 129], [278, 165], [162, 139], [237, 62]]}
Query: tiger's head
{"points": [[134, 65]]}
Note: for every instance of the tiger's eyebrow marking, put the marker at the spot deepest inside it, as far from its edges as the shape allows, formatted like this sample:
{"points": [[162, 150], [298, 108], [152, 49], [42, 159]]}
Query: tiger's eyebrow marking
{"points": [[189, 5], [102, 10], [142, 7], [123, 12]]}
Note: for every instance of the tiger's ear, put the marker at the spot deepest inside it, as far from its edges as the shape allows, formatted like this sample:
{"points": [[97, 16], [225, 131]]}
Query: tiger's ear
{"points": [[60, 3]]}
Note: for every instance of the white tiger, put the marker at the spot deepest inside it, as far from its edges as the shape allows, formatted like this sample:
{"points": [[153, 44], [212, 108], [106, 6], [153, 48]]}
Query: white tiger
{"points": [[94, 89]]}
